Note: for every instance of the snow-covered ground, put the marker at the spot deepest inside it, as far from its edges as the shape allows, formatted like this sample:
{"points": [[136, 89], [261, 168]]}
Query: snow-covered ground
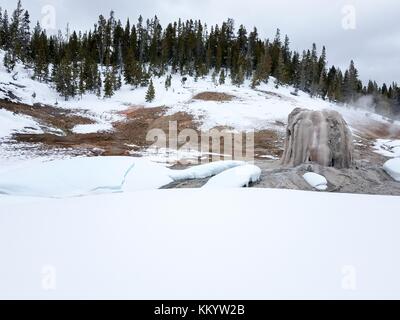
{"points": [[392, 167], [388, 148], [316, 181], [99, 175], [207, 244], [11, 123], [241, 176]]}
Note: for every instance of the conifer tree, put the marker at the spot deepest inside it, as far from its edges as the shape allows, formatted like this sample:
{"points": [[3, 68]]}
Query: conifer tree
{"points": [[109, 83], [9, 61], [5, 32], [151, 93], [99, 84], [263, 70], [222, 77], [63, 79], [168, 82]]}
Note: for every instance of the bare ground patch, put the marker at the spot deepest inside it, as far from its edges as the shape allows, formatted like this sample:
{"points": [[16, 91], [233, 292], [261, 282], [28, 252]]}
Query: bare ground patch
{"points": [[132, 131], [214, 96], [59, 118]]}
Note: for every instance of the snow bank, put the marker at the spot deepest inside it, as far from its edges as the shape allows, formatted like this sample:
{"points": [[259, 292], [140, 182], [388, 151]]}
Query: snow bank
{"points": [[83, 176], [237, 177], [87, 176], [388, 148], [204, 171], [392, 167], [11, 123], [92, 128], [316, 181], [210, 244]]}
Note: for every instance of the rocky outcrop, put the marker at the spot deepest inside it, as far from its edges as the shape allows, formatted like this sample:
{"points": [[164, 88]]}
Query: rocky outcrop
{"points": [[320, 137]]}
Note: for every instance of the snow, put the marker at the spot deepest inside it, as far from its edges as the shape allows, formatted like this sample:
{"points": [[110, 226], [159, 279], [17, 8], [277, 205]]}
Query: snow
{"points": [[392, 167], [201, 244], [205, 170], [388, 148], [237, 177], [83, 176], [11, 123], [92, 128], [172, 156], [316, 181], [96, 175]]}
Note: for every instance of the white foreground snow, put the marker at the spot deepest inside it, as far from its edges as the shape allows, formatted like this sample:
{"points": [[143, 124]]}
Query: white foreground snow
{"points": [[237, 177], [201, 244], [316, 181], [392, 167]]}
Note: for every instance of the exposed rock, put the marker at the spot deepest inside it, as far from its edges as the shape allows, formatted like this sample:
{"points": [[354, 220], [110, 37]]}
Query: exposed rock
{"points": [[320, 137]]}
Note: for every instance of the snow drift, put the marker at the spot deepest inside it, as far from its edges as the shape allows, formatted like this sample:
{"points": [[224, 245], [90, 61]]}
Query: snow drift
{"points": [[392, 167], [85, 176], [237, 177], [316, 181]]}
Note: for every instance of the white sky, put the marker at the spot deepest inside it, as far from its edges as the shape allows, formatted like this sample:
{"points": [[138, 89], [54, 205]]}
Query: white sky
{"points": [[374, 44]]}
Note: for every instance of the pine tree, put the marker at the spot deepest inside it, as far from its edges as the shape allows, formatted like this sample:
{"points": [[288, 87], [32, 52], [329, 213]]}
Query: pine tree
{"points": [[25, 36], [39, 49], [351, 83], [151, 93], [280, 72], [63, 79], [99, 84], [239, 76], [222, 77], [9, 62], [16, 31], [132, 69], [263, 70], [109, 83], [168, 82], [1, 28], [5, 32]]}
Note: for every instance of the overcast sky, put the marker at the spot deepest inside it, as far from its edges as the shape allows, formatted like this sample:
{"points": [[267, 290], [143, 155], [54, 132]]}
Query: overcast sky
{"points": [[372, 39]]}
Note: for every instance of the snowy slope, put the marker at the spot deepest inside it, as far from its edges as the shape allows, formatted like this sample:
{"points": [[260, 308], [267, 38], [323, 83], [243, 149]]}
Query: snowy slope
{"points": [[11, 123], [210, 244], [250, 109]]}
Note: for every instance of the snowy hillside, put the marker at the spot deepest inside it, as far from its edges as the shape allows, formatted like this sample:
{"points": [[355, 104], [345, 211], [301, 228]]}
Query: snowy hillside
{"points": [[247, 109]]}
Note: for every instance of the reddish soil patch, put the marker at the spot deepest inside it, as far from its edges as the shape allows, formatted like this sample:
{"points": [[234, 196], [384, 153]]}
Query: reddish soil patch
{"points": [[132, 131], [268, 142], [214, 96], [63, 119]]}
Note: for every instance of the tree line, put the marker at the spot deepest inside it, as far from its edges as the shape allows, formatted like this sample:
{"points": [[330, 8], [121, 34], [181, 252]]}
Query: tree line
{"points": [[100, 60]]}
